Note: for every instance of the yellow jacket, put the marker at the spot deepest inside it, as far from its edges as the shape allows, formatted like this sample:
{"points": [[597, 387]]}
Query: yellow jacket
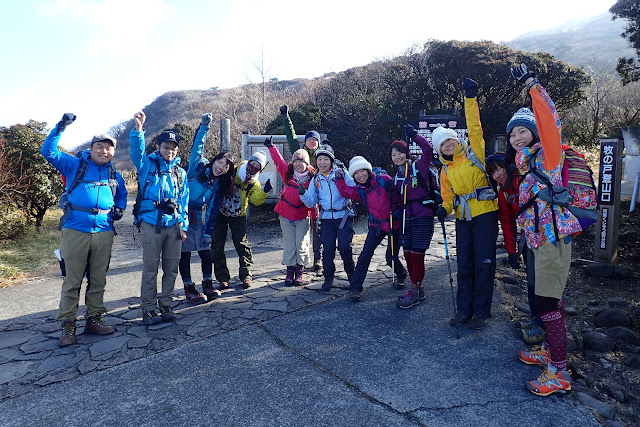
{"points": [[249, 192], [461, 176]]}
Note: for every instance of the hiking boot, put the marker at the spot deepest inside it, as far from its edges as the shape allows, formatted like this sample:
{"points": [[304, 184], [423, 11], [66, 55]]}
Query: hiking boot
{"points": [[151, 317], [327, 284], [460, 319], [536, 357], [223, 285], [192, 295], [209, 291], [317, 264], [551, 380], [534, 335], [288, 280], [247, 283], [523, 325], [166, 313], [477, 323], [68, 336], [355, 296], [297, 275], [409, 299], [95, 325], [421, 295], [400, 282]]}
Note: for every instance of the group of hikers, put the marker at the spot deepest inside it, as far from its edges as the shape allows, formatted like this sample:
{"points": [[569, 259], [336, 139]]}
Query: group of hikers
{"points": [[180, 211]]}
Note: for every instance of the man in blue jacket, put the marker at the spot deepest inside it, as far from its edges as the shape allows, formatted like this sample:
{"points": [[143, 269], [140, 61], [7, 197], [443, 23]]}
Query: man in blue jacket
{"points": [[162, 217], [94, 201]]}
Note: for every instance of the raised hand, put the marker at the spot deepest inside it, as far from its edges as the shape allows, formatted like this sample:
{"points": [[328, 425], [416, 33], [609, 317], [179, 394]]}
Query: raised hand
{"points": [[206, 119], [269, 142], [284, 110], [470, 88], [522, 73], [410, 131], [140, 117]]}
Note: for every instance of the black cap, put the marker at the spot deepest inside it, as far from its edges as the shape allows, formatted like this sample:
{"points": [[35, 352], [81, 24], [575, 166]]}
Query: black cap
{"points": [[168, 136]]}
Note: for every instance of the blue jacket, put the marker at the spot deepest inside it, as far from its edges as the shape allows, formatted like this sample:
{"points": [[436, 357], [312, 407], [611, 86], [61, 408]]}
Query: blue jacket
{"points": [[86, 194], [202, 193], [161, 186], [323, 191]]}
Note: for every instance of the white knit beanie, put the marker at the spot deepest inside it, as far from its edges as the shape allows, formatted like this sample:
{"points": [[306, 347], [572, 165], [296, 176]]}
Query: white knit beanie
{"points": [[300, 154], [440, 135], [357, 163]]}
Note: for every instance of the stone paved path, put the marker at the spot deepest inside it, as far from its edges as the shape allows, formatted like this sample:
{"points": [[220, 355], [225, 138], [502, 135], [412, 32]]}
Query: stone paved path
{"points": [[30, 356]]}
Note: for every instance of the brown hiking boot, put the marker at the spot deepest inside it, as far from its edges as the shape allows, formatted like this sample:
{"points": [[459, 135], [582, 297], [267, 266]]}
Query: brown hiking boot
{"points": [[247, 283], [223, 285], [317, 264], [95, 325], [68, 336]]}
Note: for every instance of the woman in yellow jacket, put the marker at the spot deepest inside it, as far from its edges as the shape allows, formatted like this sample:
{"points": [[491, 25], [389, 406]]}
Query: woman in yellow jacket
{"points": [[232, 216], [466, 189]]}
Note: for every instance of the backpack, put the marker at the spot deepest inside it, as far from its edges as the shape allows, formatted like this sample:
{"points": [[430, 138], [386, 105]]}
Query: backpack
{"points": [[158, 170], [580, 195], [79, 179], [434, 198]]}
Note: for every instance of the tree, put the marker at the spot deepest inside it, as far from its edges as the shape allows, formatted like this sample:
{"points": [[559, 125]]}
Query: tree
{"points": [[628, 68], [23, 143]]}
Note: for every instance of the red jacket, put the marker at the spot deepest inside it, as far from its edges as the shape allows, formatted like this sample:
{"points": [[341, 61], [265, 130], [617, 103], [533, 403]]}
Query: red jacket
{"points": [[508, 207], [290, 206], [377, 200]]}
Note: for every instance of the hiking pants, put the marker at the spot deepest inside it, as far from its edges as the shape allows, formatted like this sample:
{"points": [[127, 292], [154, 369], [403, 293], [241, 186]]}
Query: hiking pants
{"points": [[374, 238], [329, 232], [77, 249], [295, 241], [476, 249], [165, 246], [238, 227]]}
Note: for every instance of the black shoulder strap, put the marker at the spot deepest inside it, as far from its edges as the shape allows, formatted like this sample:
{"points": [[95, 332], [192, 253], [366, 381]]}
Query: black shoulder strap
{"points": [[80, 173]]}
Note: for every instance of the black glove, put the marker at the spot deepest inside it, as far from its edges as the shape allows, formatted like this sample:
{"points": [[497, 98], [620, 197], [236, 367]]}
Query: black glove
{"points": [[514, 261], [441, 213], [67, 119], [301, 190], [205, 240], [410, 131], [521, 73], [267, 186], [339, 174], [470, 88], [284, 110], [206, 119], [388, 185], [267, 142], [116, 214]]}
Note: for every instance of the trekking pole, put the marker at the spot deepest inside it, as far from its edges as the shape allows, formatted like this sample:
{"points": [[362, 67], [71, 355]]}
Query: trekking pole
{"points": [[393, 261], [404, 190], [453, 299]]}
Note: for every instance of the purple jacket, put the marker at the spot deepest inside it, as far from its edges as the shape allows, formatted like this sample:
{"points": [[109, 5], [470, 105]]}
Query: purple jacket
{"points": [[415, 196]]}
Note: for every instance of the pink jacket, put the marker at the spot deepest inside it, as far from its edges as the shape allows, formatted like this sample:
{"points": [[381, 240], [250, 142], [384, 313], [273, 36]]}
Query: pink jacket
{"points": [[377, 200], [290, 206]]}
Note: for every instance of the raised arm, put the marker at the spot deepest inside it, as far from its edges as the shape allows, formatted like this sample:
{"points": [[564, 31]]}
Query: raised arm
{"points": [[292, 138], [472, 114], [64, 162], [198, 145], [547, 119], [136, 140], [281, 165]]}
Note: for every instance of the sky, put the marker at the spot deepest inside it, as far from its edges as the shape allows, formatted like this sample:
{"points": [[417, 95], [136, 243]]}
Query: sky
{"points": [[104, 60]]}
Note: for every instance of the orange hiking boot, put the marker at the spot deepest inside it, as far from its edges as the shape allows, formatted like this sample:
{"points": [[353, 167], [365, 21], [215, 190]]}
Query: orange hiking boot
{"points": [[536, 357], [551, 380]]}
